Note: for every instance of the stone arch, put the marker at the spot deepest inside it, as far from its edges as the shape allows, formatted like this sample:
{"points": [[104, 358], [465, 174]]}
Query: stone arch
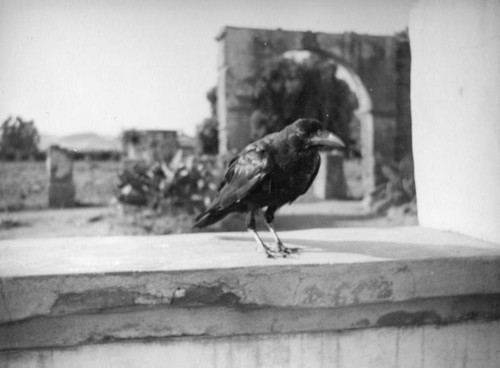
{"points": [[367, 63], [300, 83], [363, 114]]}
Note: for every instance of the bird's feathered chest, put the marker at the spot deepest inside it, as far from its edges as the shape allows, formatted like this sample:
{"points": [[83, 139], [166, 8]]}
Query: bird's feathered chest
{"points": [[269, 172], [292, 174], [295, 170]]}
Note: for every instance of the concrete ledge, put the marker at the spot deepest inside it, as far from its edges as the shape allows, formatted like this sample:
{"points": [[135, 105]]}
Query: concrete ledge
{"points": [[64, 292]]}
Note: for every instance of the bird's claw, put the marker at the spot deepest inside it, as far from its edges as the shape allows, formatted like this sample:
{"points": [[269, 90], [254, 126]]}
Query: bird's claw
{"points": [[276, 253], [271, 253], [279, 250], [284, 250]]}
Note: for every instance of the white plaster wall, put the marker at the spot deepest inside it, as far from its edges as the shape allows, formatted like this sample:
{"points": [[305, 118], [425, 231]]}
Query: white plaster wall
{"points": [[456, 114], [468, 345]]}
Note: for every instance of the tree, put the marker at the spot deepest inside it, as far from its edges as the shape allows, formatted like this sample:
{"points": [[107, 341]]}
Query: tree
{"points": [[208, 136], [208, 130], [19, 139], [289, 89]]}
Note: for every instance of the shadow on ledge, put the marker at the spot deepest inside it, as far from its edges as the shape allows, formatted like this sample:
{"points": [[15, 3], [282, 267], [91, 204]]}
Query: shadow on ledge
{"points": [[374, 249], [309, 221], [283, 222]]}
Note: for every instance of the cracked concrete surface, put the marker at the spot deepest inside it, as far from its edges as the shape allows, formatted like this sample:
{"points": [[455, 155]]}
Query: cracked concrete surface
{"points": [[136, 287], [3, 305]]}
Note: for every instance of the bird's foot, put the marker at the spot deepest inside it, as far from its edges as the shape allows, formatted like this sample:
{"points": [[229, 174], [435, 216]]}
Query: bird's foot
{"points": [[280, 251], [264, 248], [271, 253], [284, 250]]}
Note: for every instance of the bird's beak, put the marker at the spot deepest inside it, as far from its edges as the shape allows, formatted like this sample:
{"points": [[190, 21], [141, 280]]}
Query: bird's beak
{"points": [[325, 138]]}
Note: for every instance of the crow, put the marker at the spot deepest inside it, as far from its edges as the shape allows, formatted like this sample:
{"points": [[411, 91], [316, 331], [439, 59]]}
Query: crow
{"points": [[270, 172]]}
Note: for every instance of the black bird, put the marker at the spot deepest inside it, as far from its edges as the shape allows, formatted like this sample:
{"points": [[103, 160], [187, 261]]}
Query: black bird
{"points": [[271, 172]]}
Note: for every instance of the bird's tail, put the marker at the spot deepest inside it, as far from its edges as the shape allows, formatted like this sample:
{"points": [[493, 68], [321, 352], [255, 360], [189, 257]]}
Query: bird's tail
{"points": [[209, 217]]}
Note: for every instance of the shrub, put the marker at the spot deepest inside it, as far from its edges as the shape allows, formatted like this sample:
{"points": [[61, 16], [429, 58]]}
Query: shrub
{"points": [[186, 183]]}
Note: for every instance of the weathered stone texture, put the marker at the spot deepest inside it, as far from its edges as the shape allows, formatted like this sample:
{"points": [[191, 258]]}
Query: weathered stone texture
{"points": [[224, 269], [204, 289], [378, 61], [60, 172], [467, 345]]}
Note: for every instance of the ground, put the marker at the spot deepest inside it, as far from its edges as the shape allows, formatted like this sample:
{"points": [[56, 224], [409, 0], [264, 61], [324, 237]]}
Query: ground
{"points": [[24, 185], [113, 220], [24, 213]]}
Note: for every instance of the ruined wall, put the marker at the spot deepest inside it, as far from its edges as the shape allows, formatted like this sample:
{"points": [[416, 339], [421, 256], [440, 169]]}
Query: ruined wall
{"points": [[244, 53], [379, 67], [403, 139]]}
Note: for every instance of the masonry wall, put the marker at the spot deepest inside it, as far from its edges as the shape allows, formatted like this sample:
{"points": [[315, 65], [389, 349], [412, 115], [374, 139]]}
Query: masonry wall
{"points": [[456, 115], [243, 54]]}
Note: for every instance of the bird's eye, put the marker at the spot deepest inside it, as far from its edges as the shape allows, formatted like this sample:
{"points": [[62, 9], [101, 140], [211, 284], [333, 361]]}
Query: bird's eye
{"points": [[303, 133]]}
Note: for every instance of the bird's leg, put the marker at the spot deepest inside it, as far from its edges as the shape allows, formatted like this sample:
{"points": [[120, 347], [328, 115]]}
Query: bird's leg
{"points": [[251, 228], [281, 247], [269, 217]]}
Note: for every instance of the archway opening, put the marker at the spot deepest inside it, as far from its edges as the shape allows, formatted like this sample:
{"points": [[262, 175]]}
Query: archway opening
{"points": [[302, 83]]}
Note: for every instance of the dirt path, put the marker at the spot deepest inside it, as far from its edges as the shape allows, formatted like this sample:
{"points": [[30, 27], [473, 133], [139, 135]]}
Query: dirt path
{"points": [[105, 221], [56, 223]]}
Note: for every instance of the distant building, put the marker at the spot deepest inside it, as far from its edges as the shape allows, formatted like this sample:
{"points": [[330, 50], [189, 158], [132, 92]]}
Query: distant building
{"points": [[85, 146], [187, 144], [149, 145]]}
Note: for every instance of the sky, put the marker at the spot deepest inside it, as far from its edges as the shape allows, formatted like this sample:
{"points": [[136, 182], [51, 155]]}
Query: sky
{"points": [[103, 66]]}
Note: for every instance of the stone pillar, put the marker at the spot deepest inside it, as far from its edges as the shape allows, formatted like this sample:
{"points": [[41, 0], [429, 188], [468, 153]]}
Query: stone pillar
{"points": [[60, 170], [237, 72], [330, 182]]}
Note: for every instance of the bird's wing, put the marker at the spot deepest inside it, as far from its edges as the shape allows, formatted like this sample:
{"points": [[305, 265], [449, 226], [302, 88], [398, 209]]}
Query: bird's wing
{"points": [[245, 172]]}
